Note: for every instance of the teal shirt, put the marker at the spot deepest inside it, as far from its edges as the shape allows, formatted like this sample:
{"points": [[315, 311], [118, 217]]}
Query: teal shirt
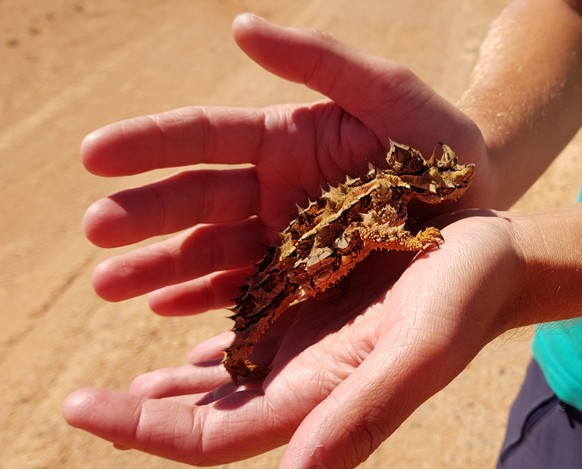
{"points": [[557, 347]]}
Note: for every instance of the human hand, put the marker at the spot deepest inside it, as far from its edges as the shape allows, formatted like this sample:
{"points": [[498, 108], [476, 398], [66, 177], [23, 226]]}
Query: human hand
{"points": [[346, 372], [230, 215]]}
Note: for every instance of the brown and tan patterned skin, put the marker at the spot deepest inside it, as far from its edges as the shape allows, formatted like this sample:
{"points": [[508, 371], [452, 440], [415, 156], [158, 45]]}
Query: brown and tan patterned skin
{"points": [[329, 237]]}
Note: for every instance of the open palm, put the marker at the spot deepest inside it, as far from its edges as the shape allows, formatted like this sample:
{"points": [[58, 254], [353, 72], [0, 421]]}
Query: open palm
{"points": [[330, 360], [345, 372]]}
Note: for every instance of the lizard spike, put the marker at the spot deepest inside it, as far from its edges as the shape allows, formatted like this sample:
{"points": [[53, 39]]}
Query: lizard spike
{"points": [[233, 309], [391, 153], [449, 159], [372, 168], [331, 203], [432, 159]]}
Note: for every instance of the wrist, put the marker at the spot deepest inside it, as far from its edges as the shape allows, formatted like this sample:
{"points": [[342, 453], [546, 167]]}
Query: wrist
{"points": [[550, 248]]}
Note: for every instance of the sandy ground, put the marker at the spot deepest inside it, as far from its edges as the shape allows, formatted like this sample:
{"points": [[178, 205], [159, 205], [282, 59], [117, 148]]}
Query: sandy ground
{"points": [[69, 67]]}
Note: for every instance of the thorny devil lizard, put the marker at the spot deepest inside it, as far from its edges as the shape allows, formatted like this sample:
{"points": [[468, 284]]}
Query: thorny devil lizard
{"points": [[329, 237]]}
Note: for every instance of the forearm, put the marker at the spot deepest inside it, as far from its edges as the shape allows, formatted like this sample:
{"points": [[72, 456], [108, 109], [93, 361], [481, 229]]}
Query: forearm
{"points": [[526, 93], [550, 287]]}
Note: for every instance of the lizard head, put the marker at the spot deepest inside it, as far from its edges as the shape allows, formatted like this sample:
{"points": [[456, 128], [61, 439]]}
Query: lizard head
{"points": [[432, 180]]}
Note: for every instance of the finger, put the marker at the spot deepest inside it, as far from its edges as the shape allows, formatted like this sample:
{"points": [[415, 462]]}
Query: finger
{"points": [[315, 59], [210, 292], [189, 379], [203, 250], [419, 351], [173, 204], [203, 373], [176, 138], [361, 412], [211, 349], [384, 95], [236, 427]]}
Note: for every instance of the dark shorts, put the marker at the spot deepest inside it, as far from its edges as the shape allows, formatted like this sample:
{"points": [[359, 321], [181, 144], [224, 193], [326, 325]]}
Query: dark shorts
{"points": [[542, 431]]}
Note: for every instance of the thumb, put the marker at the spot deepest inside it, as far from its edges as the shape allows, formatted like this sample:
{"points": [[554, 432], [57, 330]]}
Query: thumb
{"points": [[315, 59], [310, 57], [386, 96]]}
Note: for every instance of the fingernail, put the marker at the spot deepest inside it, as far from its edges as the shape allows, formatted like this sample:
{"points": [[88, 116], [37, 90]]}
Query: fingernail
{"points": [[257, 17], [251, 18]]}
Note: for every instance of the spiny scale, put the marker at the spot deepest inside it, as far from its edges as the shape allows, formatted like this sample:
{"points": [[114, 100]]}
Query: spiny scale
{"points": [[335, 232]]}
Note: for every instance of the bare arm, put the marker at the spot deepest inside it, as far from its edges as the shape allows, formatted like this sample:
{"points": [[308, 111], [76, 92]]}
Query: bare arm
{"points": [[526, 92], [550, 246], [526, 97]]}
